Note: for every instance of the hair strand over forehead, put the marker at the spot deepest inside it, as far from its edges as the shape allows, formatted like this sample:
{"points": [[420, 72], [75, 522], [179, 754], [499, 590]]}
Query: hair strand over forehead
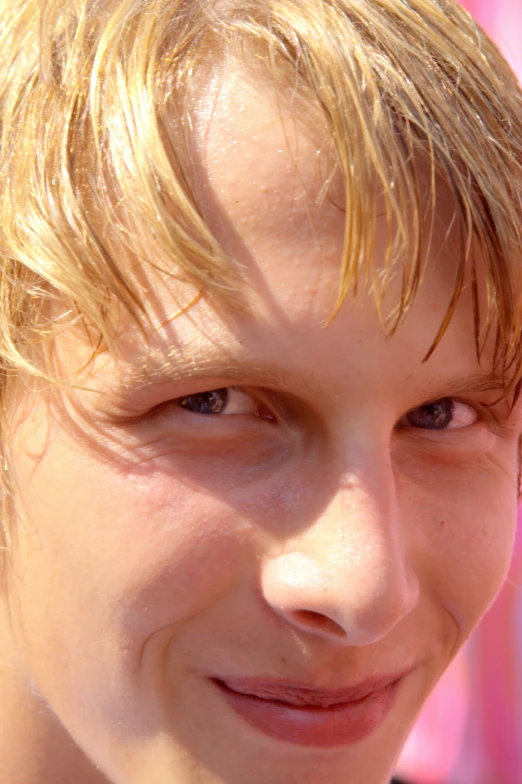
{"points": [[96, 155]]}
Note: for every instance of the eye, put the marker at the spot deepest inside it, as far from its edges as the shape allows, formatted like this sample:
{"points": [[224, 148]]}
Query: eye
{"points": [[224, 401], [214, 401], [444, 414]]}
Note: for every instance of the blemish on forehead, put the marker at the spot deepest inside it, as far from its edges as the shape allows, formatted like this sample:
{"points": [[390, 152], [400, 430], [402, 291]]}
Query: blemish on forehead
{"points": [[237, 117]]}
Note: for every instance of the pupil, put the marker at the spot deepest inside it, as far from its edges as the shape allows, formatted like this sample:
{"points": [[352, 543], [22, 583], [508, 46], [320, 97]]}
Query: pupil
{"points": [[433, 416], [212, 402]]}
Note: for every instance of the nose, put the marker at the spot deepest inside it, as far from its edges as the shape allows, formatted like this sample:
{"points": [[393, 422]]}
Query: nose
{"points": [[347, 577]]}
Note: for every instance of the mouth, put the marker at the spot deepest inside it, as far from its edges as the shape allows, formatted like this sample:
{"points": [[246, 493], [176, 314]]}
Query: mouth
{"points": [[305, 716]]}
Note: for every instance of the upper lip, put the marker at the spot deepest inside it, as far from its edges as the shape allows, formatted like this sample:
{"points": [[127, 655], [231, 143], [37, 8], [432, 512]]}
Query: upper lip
{"points": [[303, 695]]}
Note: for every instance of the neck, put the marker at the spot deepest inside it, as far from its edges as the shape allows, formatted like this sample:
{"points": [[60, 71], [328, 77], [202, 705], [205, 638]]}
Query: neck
{"points": [[34, 746]]}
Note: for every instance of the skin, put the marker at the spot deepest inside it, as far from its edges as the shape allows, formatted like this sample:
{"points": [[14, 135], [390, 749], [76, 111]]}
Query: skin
{"points": [[310, 532]]}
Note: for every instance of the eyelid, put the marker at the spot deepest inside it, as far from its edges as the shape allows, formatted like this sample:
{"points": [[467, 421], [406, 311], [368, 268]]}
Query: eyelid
{"points": [[478, 411], [235, 398], [255, 395]]}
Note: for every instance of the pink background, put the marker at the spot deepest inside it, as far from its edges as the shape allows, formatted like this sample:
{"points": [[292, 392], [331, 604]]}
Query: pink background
{"points": [[502, 19]]}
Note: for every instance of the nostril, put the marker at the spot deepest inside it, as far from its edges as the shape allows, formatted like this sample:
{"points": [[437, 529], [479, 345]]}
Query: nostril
{"points": [[318, 622]]}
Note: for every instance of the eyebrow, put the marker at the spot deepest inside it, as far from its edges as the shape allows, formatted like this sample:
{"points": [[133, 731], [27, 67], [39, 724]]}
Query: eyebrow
{"points": [[158, 367], [480, 381]]}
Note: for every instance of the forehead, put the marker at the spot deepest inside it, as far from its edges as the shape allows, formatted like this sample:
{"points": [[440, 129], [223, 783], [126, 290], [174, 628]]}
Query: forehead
{"points": [[270, 187], [279, 145], [260, 176]]}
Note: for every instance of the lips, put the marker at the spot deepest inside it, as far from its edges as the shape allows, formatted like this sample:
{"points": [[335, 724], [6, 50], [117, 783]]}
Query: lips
{"points": [[306, 716]]}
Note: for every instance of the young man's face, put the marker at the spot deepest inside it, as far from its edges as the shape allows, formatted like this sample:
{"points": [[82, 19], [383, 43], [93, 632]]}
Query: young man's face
{"points": [[253, 555]]}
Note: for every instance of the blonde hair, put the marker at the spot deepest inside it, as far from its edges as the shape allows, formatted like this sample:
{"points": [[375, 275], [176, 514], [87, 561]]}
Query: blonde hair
{"points": [[95, 150]]}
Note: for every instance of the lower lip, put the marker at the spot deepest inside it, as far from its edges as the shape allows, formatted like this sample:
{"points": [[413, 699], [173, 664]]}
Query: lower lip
{"points": [[327, 728]]}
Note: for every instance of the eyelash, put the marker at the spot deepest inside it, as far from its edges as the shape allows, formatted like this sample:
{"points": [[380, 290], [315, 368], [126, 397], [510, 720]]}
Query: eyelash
{"points": [[214, 402], [442, 408]]}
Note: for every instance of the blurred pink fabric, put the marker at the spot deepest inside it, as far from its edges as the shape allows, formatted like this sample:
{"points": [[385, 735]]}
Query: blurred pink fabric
{"points": [[470, 731]]}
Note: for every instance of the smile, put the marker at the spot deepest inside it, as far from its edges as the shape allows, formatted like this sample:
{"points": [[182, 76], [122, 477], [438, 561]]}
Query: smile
{"points": [[309, 717]]}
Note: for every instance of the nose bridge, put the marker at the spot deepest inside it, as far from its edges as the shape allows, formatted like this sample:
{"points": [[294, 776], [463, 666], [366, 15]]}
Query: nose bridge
{"points": [[357, 525], [347, 575]]}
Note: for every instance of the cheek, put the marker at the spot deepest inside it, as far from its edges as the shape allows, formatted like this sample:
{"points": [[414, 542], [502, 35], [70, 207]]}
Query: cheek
{"points": [[463, 546], [107, 566], [123, 545]]}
